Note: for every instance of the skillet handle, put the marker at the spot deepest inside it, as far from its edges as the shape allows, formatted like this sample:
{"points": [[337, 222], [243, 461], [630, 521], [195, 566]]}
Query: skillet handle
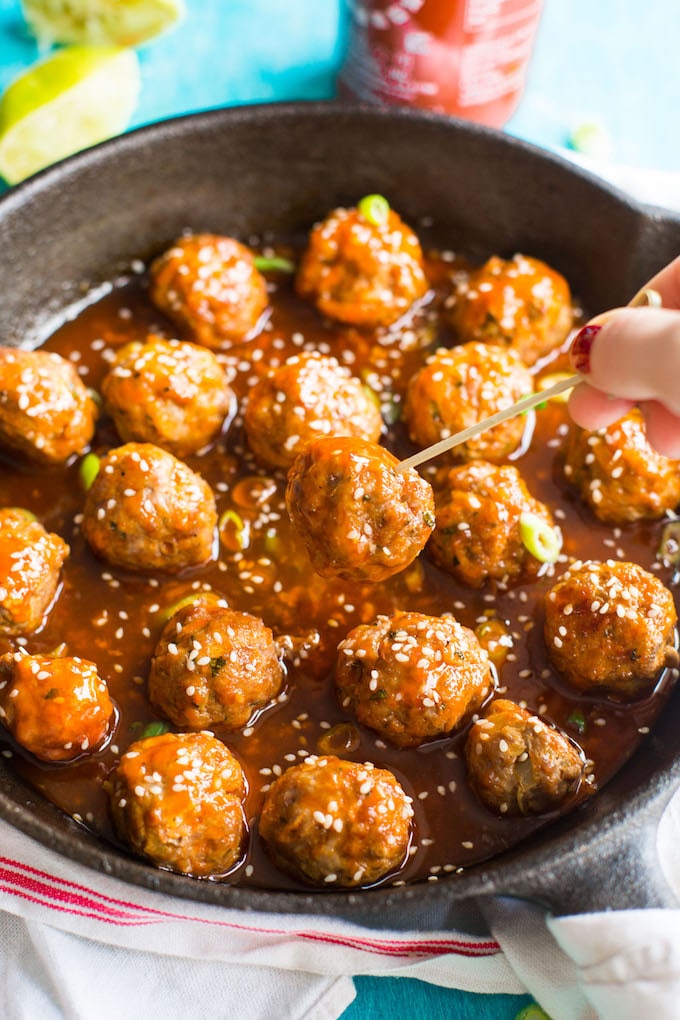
{"points": [[616, 868]]}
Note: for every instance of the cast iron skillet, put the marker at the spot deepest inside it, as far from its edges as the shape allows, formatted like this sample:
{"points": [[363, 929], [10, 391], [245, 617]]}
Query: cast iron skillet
{"points": [[280, 168]]}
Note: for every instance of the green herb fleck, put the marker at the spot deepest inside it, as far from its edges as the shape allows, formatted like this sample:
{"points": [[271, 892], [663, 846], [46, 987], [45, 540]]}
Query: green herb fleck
{"points": [[155, 729], [217, 664], [577, 720]]}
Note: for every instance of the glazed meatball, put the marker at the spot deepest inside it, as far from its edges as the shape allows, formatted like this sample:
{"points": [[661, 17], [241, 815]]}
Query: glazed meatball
{"points": [[178, 800], [30, 562], [58, 709], [209, 285], [336, 822], [307, 397], [146, 510], [519, 765], [213, 665], [360, 518], [619, 475], [360, 272], [411, 677], [168, 392], [462, 386], [477, 535], [46, 413], [520, 303], [610, 626]]}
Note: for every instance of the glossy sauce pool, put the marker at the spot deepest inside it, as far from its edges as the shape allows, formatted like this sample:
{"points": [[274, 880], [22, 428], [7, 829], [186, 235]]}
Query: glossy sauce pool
{"points": [[115, 619]]}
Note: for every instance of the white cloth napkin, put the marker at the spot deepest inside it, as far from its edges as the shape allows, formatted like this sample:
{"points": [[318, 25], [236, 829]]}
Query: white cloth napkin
{"points": [[79, 945]]}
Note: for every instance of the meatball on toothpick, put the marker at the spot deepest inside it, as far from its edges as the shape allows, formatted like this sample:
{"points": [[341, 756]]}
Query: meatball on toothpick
{"points": [[361, 519]]}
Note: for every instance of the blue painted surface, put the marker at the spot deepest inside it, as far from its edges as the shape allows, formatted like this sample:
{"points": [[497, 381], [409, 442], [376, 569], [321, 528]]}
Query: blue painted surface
{"points": [[610, 61]]}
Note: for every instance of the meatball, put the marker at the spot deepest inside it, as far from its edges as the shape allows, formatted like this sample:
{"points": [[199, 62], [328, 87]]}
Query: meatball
{"points": [[520, 303], [307, 397], [610, 626], [619, 475], [462, 386], [209, 285], [361, 518], [213, 665], [336, 822], [146, 510], [178, 800], [411, 677], [168, 392], [30, 561], [477, 535], [46, 413], [56, 708], [360, 272], [519, 765]]}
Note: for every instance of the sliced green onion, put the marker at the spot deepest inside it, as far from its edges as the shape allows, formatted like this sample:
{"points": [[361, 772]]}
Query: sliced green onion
{"points": [[234, 531], [167, 612], [542, 541], [88, 470], [532, 1012], [28, 514], [669, 550], [273, 264], [375, 209], [155, 729], [95, 397], [577, 720]]}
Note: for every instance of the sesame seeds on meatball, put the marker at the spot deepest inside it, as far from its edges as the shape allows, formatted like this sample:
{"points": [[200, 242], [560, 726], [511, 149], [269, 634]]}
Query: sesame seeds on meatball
{"points": [[209, 285], [56, 708], [46, 413], [168, 392], [462, 386], [335, 822], [518, 764], [30, 561], [146, 510], [177, 799], [361, 272], [520, 303], [477, 536], [610, 627], [619, 475], [361, 518], [213, 665], [412, 677], [307, 397]]}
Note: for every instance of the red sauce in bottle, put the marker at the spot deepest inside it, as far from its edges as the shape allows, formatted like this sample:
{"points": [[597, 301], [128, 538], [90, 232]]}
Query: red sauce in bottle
{"points": [[467, 58]]}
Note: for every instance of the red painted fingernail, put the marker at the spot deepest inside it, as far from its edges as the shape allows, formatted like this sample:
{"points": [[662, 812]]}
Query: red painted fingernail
{"points": [[580, 348]]}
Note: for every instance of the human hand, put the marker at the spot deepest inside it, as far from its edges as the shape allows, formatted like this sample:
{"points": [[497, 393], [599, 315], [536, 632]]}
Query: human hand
{"points": [[632, 356]]}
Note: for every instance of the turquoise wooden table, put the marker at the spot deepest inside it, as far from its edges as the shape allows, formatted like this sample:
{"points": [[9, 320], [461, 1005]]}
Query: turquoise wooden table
{"points": [[612, 62]]}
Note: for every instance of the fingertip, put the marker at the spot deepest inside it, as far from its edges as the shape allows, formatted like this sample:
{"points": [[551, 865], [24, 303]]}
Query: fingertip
{"points": [[592, 409], [662, 429]]}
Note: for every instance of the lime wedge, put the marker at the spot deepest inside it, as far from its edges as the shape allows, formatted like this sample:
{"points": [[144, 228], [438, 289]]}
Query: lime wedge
{"points": [[74, 99], [101, 22]]}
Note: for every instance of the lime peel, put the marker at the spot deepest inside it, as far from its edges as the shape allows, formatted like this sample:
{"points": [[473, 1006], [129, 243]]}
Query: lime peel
{"points": [[76, 98], [101, 22]]}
